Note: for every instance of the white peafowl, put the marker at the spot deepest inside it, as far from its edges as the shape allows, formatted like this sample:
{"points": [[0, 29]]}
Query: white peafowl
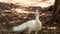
{"points": [[32, 25]]}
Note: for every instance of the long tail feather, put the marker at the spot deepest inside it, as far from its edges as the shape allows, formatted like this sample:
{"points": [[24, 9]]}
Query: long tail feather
{"points": [[20, 28]]}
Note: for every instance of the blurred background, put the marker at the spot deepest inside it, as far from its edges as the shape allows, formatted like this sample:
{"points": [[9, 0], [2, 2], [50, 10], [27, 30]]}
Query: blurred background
{"points": [[17, 12]]}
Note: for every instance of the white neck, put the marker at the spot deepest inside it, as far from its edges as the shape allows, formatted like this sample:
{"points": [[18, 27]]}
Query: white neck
{"points": [[37, 15]]}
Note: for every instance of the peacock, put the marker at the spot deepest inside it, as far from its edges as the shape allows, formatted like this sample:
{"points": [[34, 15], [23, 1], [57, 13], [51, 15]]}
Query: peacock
{"points": [[32, 25]]}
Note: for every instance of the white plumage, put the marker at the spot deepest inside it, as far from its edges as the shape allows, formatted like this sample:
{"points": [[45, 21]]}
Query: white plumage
{"points": [[32, 25], [20, 28]]}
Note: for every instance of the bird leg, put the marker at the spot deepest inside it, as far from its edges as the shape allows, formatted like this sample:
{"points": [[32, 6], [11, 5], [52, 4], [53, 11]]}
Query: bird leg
{"points": [[29, 30], [36, 32]]}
